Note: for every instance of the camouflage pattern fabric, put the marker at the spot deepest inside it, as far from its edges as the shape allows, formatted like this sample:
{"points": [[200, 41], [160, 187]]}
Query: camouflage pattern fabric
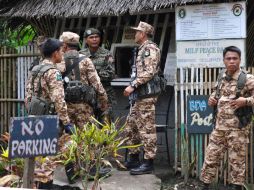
{"points": [[220, 141], [80, 113], [227, 134], [104, 64], [147, 62], [226, 119], [140, 128], [52, 90]]}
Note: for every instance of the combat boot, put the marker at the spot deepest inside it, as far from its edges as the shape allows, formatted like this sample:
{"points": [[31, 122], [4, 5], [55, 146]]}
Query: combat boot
{"points": [[133, 162], [70, 173], [235, 187], [145, 168]]}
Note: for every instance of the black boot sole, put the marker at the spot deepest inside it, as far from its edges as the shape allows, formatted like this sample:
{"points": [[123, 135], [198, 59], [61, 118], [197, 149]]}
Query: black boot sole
{"points": [[141, 173]]}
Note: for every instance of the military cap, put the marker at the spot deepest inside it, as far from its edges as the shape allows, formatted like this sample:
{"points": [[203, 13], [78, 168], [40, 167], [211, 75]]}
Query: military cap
{"points": [[40, 40], [91, 31], [50, 46], [69, 38], [144, 27]]}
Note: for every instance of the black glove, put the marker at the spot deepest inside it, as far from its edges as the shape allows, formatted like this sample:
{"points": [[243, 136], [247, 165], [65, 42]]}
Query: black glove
{"points": [[69, 128]]}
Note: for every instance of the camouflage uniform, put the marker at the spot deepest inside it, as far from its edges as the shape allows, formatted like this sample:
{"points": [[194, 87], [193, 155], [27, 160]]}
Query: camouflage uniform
{"points": [[52, 90], [140, 126], [227, 135], [104, 64], [80, 113]]}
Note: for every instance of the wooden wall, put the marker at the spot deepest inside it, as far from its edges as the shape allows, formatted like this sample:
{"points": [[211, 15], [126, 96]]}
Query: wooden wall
{"points": [[14, 66]]}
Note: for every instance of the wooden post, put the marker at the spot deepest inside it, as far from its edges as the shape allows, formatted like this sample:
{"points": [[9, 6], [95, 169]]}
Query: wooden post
{"points": [[28, 176]]}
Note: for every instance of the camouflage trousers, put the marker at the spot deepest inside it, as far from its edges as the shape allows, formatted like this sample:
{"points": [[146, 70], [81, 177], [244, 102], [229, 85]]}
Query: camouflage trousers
{"points": [[220, 141], [79, 113], [111, 94], [140, 127]]}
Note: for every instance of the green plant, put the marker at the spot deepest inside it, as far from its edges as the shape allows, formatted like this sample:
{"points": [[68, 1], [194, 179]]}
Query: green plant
{"points": [[91, 145]]}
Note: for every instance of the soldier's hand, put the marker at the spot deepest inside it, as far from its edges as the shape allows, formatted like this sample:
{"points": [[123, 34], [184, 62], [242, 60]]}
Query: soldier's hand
{"points": [[212, 101], [237, 103], [128, 91], [69, 129]]}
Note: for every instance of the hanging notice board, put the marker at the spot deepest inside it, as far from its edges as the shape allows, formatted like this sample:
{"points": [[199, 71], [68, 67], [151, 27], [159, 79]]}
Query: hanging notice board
{"points": [[199, 114]]}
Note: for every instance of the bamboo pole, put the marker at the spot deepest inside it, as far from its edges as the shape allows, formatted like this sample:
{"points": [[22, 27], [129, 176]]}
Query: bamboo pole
{"points": [[1, 92], [5, 55], [5, 91]]}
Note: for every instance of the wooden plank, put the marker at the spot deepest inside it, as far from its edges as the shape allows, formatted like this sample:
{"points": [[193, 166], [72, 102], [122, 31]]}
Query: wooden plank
{"points": [[28, 175], [5, 91], [117, 29], [63, 26], [176, 127], [98, 23], [1, 91], [164, 29], [56, 28], [14, 85], [251, 154]]}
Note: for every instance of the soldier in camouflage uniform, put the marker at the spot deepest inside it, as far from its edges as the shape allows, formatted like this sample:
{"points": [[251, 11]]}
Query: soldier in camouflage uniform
{"points": [[52, 91], [227, 134], [140, 126], [80, 112], [102, 60]]}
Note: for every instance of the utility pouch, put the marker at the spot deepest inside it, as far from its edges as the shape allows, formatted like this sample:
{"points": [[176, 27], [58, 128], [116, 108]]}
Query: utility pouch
{"points": [[153, 87], [89, 95], [40, 106], [73, 92], [76, 92], [244, 115]]}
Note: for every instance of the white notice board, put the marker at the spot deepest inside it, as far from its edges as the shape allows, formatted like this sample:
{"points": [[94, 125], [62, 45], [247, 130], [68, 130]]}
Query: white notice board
{"points": [[206, 53], [211, 21]]}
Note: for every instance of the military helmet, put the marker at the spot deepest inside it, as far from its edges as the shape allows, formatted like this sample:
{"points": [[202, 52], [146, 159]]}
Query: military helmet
{"points": [[91, 31]]}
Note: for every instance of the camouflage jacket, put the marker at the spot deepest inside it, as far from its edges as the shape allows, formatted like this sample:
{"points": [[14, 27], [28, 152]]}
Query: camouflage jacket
{"points": [[89, 76], [103, 62], [226, 118], [147, 62], [52, 90]]}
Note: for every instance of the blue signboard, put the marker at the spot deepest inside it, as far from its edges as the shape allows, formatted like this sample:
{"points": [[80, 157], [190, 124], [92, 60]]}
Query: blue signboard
{"points": [[199, 114], [33, 136]]}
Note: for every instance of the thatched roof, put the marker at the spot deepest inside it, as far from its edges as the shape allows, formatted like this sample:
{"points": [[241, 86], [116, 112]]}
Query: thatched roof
{"points": [[84, 8]]}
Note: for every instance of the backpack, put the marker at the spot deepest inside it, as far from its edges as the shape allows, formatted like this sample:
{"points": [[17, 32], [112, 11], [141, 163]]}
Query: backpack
{"points": [[37, 104], [245, 113]]}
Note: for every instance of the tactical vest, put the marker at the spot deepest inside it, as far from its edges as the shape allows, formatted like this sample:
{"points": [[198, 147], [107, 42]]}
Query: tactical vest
{"points": [[75, 91], [245, 113], [154, 86], [37, 104]]}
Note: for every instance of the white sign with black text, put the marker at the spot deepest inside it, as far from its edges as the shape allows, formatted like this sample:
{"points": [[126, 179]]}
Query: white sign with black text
{"points": [[206, 53], [211, 21]]}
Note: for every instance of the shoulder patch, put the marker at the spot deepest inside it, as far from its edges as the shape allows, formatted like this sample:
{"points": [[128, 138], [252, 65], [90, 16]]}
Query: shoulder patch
{"points": [[58, 76], [147, 52]]}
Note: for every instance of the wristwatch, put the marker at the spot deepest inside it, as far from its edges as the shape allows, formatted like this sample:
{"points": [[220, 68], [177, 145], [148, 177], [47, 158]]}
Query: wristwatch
{"points": [[133, 85]]}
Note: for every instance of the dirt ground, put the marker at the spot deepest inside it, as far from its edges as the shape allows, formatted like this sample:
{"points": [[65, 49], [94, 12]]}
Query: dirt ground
{"points": [[172, 181]]}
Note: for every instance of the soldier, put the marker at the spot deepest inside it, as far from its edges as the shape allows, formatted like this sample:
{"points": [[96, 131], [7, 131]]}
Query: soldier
{"points": [[233, 93], [83, 77], [102, 60], [44, 89], [140, 126], [82, 90]]}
